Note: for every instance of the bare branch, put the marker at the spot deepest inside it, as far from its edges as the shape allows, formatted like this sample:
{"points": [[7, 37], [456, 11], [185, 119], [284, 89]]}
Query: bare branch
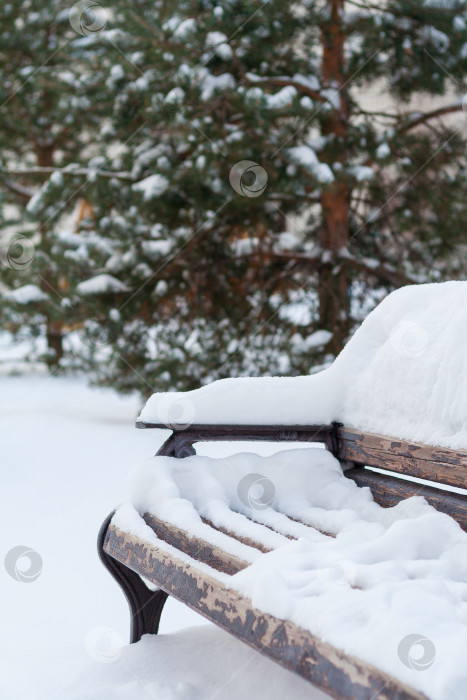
{"points": [[382, 271], [426, 116]]}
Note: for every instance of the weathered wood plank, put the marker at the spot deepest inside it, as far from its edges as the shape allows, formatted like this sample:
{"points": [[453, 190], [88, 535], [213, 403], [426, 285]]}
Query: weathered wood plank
{"points": [[405, 448], [342, 676], [260, 545], [195, 547], [240, 538], [204, 551], [414, 459], [388, 491]]}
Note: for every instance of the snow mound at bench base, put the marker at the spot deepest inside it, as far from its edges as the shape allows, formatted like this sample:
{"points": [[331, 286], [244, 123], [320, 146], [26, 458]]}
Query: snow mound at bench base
{"points": [[387, 574], [402, 374]]}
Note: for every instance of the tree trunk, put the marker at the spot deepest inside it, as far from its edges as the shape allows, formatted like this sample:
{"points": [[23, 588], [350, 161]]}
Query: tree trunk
{"points": [[333, 285], [54, 343], [54, 332]]}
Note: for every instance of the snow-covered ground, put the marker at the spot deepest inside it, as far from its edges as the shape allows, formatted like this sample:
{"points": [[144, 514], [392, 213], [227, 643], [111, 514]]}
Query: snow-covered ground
{"points": [[65, 452]]}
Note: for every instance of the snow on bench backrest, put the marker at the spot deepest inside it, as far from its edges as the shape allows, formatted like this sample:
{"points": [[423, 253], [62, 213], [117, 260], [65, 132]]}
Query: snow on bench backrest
{"points": [[403, 374]]}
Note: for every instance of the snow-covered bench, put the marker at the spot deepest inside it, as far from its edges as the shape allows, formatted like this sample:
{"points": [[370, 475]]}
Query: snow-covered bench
{"points": [[288, 552]]}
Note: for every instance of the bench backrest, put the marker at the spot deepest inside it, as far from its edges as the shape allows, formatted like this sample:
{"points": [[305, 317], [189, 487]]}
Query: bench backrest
{"points": [[442, 467]]}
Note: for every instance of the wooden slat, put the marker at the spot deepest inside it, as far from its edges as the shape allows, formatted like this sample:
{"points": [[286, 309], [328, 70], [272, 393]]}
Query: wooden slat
{"points": [[343, 676], [388, 491], [258, 523], [414, 459], [195, 547], [313, 527], [204, 551], [296, 521], [240, 538]]}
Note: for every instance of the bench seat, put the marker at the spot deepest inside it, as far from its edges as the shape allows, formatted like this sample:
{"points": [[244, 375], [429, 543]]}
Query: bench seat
{"points": [[196, 567], [197, 573]]}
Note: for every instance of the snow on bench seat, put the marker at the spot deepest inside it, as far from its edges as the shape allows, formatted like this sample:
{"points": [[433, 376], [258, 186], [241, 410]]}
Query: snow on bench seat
{"points": [[402, 374], [305, 544]]}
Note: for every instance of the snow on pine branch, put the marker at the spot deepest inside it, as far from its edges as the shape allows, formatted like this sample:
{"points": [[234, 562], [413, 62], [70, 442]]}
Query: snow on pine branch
{"points": [[101, 284]]}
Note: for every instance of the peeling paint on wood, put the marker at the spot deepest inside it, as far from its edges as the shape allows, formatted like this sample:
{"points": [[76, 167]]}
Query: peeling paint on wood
{"points": [[388, 491], [195, 547], [413, 459], [339, 674]]}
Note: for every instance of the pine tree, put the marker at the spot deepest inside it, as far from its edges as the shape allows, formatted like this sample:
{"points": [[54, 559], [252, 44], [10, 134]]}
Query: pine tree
{"points": [[248, 208], [51, 108]]}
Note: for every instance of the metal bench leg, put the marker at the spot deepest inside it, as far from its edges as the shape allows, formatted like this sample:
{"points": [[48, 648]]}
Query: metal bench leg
{"points": [[145, 605]]}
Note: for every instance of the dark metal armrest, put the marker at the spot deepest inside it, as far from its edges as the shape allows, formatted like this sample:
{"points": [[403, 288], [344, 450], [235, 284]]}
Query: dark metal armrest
{"points": [[180, 443]]}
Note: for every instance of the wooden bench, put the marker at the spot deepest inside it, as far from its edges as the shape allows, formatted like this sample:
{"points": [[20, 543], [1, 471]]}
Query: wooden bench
{"points": [[168, 567]]}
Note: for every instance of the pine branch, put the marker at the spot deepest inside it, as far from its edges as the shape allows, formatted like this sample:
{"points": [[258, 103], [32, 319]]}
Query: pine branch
{"points": [[442, 9], [370, 113], [426, 116], [16, 188], [382, 271], [286, 82], [269, 255], [87, 172], [366, 5]]}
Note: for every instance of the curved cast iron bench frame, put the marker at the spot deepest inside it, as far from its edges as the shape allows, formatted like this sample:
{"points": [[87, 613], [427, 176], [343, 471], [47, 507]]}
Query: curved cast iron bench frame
{"points": [[131, 562]]}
